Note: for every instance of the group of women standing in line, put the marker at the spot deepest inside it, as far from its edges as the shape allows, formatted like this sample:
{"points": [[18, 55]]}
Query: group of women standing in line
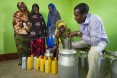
{"points": [[29, 26]]}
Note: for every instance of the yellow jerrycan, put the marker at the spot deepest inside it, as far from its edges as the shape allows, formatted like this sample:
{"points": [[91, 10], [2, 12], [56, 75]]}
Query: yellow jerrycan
{"points": [[32, 59], [47, 65], [30, 62], [38, 63], [54, 66], [42, 63]]}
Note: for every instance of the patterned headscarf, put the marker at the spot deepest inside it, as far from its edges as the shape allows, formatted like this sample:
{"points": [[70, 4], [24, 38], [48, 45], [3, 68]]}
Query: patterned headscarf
{"points": [[21, 3], [34, 5], [53, 17], [60, 23], [53, 6]]}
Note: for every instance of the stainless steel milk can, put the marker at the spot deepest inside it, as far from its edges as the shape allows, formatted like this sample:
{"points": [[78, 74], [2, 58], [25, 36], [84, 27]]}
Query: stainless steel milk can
{"points": [[67, 43], [67, 64]]}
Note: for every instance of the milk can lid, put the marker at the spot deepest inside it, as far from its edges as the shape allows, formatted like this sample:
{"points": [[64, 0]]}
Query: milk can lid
{"points": [[64, 51]]}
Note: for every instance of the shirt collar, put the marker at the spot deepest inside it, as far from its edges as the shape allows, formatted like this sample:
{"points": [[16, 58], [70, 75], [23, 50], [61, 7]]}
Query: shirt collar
{"points": [[87, 19]]}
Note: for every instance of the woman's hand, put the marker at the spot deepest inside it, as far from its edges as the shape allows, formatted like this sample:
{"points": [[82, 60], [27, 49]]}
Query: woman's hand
{"points": [[33, 33], [58, 34], [53, 50], [27, 28]]}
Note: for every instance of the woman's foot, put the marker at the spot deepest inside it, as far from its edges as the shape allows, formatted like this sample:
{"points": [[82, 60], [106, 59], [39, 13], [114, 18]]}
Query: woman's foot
{"points": [[19, 64]]}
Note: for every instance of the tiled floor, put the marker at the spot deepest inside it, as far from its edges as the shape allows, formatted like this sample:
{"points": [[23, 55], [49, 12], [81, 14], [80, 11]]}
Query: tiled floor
{"points": [[10, 69]]}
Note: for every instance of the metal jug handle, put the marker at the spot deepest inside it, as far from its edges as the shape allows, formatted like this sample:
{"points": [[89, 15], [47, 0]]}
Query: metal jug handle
{"points": [[58, 54], [75, 59], [112, 60]]}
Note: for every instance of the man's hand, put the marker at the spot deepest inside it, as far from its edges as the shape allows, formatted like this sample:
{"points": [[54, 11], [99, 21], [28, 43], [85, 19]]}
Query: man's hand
{"points": [[75, 33], [80, 34]]}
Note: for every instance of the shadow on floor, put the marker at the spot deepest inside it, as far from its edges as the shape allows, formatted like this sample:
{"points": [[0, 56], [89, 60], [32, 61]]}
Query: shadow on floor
{"points": [[10, 69]]}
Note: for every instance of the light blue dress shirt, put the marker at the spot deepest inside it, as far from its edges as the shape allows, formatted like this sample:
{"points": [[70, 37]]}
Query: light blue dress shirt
{"points": [[93, 30]]}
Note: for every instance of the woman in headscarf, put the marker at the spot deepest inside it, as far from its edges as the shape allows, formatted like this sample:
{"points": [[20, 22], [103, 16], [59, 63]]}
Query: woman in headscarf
{"points": [[21, 27], [60, 34], [37, 29], [53, 17]]}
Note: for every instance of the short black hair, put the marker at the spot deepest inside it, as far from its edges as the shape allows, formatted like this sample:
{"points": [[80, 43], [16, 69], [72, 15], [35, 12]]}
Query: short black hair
{"points": [[83, 7]]}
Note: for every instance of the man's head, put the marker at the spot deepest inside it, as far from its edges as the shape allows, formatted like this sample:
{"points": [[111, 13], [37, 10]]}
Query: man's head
{"points": [[80, 12]]}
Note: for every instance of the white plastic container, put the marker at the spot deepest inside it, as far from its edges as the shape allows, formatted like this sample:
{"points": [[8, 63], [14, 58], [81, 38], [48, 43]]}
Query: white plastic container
{"points": [[23, 62], [35, 62]]}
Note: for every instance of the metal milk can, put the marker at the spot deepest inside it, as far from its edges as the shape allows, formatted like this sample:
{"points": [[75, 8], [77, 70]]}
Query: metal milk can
{"points": [[83, 59], [114, 65], [114, 68], [67, 43], [67, 64]]}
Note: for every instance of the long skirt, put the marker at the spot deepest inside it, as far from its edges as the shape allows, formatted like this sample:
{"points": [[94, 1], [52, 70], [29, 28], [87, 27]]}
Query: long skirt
{"points": [[38, 46], [22, 45]]}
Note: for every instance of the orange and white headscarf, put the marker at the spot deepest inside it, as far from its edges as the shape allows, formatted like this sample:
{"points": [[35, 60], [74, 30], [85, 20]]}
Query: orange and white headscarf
{"points": [[21, 3]]}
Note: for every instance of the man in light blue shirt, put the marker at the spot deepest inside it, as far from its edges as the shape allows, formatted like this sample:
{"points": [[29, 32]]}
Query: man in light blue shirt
{"points": [[92, 34]]}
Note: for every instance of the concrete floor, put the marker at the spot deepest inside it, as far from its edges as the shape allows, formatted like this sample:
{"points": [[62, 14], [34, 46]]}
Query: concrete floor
{"points": [[10, 69]]}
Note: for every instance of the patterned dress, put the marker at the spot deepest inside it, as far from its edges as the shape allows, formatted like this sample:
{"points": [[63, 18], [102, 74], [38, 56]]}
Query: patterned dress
{"points": [[21, 27], [53, 17], [37, 34], [38, 26]]}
